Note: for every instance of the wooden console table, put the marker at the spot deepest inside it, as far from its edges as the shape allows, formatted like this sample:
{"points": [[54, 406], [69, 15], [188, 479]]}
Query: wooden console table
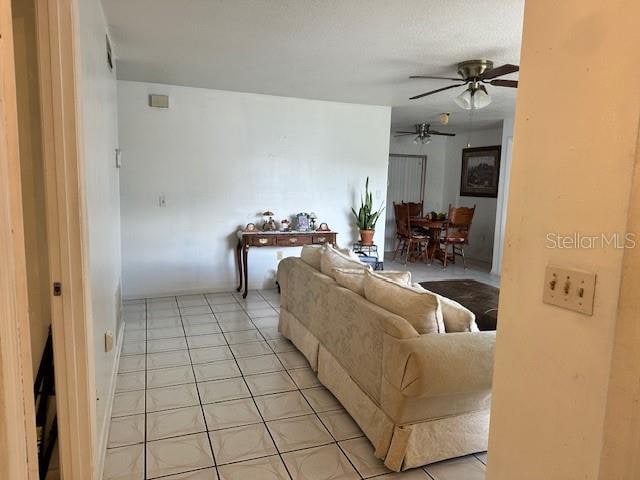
{"points": [[274, 239]]}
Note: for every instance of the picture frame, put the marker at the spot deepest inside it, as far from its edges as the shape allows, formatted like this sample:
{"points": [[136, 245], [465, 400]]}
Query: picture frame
{"points": [[302, 222], [480, 173]]}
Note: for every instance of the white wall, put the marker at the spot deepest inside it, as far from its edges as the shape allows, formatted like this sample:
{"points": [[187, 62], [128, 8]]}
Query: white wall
{"points": [[482, 230], [99, 127], [503, 195], [221, 157]]}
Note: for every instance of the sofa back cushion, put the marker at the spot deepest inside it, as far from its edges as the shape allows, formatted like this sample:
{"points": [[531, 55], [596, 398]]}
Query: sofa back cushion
{"points": [[331, 258], [311, 255], [420, 308], [353, 278], [456, 317]]}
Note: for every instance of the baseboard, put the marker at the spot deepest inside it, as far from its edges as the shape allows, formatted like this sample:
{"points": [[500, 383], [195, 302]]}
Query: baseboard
{"points": [[103, 434], [222, 289]]}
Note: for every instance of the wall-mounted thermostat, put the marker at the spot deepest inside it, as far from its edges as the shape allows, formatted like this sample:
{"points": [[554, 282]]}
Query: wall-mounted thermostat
{"points": [[159, 101]]}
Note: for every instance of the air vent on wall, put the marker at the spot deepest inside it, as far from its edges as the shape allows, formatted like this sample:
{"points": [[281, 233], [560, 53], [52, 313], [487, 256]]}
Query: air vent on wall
{"points": [[159, 101]]}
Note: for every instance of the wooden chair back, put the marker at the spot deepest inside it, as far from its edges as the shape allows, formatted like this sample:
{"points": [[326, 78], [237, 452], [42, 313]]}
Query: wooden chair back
{"points": [[415, 208], [401, 211], [459, 224]]}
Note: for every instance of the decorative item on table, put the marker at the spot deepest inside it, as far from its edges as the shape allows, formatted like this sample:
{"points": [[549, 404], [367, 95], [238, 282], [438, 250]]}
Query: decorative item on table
{"points": [[251, 227], [313, 217], [302, 222], [285, 225], [324, 227], [442, 216], [269, 224], [366, 217]]}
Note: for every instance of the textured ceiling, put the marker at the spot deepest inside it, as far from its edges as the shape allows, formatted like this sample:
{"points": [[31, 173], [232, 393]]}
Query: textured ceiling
{"points": [[358, 51]]}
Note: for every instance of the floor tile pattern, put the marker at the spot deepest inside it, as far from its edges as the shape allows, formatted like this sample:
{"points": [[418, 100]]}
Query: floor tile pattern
{"points": [[209, 390]]}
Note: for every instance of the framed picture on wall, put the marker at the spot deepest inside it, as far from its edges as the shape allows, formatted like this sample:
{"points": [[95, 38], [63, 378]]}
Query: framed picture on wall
{"points": [[480, 171]]}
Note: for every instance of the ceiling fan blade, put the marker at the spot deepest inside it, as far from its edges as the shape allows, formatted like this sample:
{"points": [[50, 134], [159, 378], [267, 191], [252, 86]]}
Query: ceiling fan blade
{"points": [[404, 134], [437, 78], [408, 133], [499, 71], [504, 83], [433, 132], [436, 91]]}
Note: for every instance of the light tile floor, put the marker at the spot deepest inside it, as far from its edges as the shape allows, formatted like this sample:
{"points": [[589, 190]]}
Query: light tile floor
{"points": [[423, 272], [209, 390]]}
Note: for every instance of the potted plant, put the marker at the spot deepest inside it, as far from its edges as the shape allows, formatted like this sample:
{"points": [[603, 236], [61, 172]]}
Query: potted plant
{"points": [[366, 218]]}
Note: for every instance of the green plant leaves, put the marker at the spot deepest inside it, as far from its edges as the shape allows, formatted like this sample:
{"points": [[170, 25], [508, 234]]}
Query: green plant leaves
{"points": [[366, 217]]}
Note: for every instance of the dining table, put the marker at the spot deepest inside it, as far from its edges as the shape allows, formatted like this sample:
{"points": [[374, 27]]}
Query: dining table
{"points": [[435, 228]]}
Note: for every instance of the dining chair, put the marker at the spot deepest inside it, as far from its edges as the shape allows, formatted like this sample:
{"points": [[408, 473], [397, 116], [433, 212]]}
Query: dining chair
{"points": [[409, 239], [456, 233], [415, 208], [402, 233]]}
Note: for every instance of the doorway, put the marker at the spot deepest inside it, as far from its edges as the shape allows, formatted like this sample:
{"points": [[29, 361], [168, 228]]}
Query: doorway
{"points": [[406, 181]]}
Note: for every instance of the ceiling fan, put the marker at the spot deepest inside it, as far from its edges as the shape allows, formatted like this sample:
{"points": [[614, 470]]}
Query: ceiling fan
{"points": [[423, 133], [474, 73]]}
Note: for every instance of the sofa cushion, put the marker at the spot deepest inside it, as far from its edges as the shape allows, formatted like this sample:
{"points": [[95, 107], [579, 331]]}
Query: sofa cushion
{"points": [[420, 308], [331, 258], [353, 278], [311, 255], [456, 317]]}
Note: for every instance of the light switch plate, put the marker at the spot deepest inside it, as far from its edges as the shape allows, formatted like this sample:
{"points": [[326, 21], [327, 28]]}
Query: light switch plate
{"points": [[569, 288]]}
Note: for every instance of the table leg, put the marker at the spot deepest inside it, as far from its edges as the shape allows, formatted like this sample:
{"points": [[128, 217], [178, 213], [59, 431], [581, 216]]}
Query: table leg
{"points": [[239, 263], [245, 255], [434, 244]]}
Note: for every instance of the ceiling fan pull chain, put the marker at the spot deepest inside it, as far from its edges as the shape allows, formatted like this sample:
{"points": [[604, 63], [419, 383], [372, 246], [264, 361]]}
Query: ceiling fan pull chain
{"points": [[470, 126]]}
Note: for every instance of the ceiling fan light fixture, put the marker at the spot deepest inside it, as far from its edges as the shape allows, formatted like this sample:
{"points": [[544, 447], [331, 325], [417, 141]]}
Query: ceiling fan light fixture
{"points": [[481, 98], [473, 98], [464, 99]]}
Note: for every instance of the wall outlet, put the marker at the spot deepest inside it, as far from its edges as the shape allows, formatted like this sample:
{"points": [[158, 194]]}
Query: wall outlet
{"points": [[279, 255], [108, 341], [570, 289]]}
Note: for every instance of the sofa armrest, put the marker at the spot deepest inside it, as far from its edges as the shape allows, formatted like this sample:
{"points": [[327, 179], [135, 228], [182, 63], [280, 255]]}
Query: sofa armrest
{"points": [[434, 365], [282, 277]]}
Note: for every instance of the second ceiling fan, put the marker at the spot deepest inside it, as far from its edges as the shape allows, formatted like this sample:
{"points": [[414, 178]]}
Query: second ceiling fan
{"points": [[475, 74], [423, 133]]}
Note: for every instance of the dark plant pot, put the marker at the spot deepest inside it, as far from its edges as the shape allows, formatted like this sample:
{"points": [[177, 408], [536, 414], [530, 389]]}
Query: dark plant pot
{"points": [[366, 237]]}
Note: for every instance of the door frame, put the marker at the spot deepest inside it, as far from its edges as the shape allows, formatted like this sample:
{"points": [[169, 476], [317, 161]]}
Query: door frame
{"points": [[18, 453], [58, 59]]}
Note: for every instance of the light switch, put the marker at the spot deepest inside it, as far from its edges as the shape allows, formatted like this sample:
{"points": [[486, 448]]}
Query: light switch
{"points": [[570, 289], [162, 201]]}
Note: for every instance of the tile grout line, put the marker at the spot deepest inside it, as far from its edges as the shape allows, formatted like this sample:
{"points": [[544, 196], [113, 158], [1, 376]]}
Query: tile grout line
{"points": [[193, 371], [247, 385]]}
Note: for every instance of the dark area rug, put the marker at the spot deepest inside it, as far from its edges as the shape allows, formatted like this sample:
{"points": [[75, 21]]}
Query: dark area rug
{"points": [[480, 298]]}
